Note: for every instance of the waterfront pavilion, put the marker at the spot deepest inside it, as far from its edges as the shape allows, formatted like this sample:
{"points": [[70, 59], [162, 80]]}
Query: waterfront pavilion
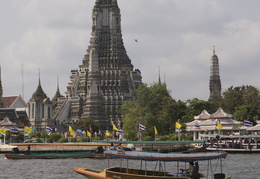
{"points": [[205, 125]]}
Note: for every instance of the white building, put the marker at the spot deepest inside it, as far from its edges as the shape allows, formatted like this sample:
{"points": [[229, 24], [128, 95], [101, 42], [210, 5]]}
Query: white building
{"points": [[206, 124]]}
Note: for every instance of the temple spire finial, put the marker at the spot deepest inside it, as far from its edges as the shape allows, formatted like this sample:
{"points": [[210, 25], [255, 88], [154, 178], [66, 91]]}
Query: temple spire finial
{"points": [[159, 74], [214, 51]]}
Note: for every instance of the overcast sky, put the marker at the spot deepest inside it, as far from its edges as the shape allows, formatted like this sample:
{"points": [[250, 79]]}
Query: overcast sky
{"points": [[177, 35]]}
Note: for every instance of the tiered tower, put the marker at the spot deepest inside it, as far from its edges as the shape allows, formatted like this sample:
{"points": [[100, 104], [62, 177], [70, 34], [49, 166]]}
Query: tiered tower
{"points": [[105, 78], [214, 84]]}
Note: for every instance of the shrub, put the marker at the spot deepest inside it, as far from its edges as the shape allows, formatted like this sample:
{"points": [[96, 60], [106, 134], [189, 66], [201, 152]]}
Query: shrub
{"points": [[63, 140], [54, 137], [163, 138], [85, 139], [173, 137], [73, 139], [148, 138]]}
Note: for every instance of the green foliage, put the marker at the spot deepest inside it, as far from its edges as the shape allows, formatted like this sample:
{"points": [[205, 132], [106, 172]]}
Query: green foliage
{"points": [[63, 140], [148, 138], [163, 138], [53, 137], [84, 125], [153, 107], [73, 139], [173, 137], [85, 139], [243, 102], [131, 135], [190, 137]]}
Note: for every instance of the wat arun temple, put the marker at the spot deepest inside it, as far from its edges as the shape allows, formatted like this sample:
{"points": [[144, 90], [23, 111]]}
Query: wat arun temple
{"points": [[106, 78]]}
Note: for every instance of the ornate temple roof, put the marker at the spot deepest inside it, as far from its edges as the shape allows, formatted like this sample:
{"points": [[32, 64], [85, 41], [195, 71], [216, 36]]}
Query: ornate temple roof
{"points": [[204, 115]]}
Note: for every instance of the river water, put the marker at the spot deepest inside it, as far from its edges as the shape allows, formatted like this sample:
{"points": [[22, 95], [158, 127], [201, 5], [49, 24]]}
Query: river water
{"points": [[238, 166]]}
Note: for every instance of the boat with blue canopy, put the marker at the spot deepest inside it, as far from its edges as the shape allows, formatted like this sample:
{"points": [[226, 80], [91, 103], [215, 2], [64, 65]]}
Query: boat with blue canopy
{"points": [[159, 160]]}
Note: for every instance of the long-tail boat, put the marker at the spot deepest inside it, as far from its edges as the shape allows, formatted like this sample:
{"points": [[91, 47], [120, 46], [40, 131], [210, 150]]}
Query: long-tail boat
{"points": [[53, 155], [160, 160]]}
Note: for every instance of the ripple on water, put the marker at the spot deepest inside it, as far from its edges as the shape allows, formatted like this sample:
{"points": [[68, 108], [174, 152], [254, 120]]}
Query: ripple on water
{"points": [[239, 166]]}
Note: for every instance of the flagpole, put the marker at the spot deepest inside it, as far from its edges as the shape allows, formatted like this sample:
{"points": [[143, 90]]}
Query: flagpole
{"points": [[178, 131]]}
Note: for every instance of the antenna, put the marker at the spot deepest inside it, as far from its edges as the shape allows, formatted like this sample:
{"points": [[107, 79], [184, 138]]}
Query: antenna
{"points": [[22, 82]]}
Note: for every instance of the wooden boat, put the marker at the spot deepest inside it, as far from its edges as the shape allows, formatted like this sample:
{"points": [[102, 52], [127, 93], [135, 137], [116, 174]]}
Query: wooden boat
{"points": [[233, 143], [130, 173], [58, 155]]}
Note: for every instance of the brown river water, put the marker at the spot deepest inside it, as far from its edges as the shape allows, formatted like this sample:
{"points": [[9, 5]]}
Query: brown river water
{"points": [[238, 166]]}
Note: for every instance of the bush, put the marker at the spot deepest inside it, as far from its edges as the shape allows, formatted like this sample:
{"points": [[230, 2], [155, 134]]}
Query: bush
{"points": [[85, 139], [148, 138], [163, 138], [54, 137], [173, 137], [63, 140], [190, 137], [73, 139]]}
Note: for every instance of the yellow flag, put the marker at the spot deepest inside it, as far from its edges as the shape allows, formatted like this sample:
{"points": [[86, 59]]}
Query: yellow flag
{"points": [[107, 133], [88, 134], [155, 131], [115, 128], [72, 133], [219, 125], [3, 131], [178, 125], [28, 129]]}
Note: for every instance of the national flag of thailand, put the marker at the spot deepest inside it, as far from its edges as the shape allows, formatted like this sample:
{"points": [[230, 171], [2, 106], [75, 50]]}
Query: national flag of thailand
{"points": [[79, 131], [142, 127], [90, 129], [248, 123], [120, 132], [14, 130], [48, 129], [100, 132], [197, 126]]}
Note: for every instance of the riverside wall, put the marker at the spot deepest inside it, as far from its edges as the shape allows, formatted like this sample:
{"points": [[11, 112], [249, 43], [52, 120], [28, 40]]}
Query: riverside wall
{"points": [[52, 147]]}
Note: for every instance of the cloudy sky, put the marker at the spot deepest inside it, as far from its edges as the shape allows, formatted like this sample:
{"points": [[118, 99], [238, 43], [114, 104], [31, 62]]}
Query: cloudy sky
{"points": [[177, 35]]}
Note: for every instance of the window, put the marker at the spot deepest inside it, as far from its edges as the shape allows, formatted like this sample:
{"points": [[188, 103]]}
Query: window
{"points": [[33, 110], [42, 112]]}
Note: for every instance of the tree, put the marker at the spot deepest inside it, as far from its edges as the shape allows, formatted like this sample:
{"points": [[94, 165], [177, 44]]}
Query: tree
{"points": [[85, 125], [154, 106], [243, 102], [195, 106]]}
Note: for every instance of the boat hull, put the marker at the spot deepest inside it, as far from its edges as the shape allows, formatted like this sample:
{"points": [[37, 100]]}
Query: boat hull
{"points": [[124, 173], [91, 173], [49, 155]]}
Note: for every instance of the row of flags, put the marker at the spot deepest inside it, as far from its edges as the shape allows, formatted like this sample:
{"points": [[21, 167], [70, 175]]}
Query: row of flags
{"points": [[88, 132], [26, 129], [119, 131], [219, 125]]}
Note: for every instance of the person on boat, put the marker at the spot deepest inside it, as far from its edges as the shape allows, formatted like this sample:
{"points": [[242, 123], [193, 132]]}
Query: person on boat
{"points": [[28, 151], [195, 171], [15, 150], [99, 150], [190, 168]]}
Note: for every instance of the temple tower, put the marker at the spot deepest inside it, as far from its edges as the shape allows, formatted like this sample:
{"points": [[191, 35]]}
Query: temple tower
{"points": [[214, 84], [106, 77], [40, 109]]}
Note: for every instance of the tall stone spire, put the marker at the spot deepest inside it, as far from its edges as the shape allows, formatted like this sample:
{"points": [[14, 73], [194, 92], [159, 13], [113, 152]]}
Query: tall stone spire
{"points": [[94, 106], [214, 84], [106, 77]]}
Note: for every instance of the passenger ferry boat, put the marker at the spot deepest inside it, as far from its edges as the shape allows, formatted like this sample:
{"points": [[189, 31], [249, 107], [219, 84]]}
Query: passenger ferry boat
{"points": [[233, 143], [160, 160]]}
